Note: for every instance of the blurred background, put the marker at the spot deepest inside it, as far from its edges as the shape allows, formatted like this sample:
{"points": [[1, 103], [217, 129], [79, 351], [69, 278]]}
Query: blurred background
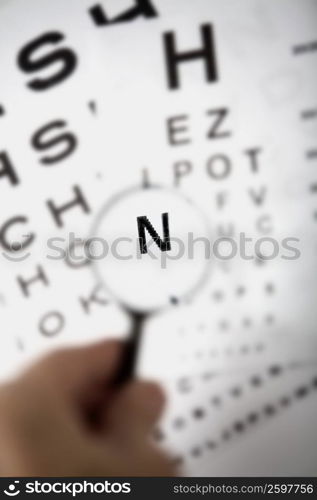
{"points": [[216, 99]]}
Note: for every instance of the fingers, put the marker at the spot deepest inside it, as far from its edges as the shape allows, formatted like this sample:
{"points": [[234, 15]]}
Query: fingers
{"points": [[75, 368], [135, 410], [128, 423]]}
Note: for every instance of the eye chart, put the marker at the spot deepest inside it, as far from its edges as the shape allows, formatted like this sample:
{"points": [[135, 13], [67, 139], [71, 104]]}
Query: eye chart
{"points": [[215, 100]]}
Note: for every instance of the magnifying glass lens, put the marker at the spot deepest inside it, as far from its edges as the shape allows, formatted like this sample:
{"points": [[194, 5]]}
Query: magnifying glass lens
{"points": [[145, 249]]}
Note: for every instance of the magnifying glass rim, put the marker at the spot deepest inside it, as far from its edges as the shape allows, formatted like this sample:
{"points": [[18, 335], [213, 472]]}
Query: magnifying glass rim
{"points": [[95, 264]]}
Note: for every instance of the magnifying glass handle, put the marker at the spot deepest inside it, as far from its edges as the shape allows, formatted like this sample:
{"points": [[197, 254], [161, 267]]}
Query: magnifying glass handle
{"points": [[130, 351]]}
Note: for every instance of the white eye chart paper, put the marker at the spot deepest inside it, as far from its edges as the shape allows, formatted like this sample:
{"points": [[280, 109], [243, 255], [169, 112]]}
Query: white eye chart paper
{"points": [[213, 99]]}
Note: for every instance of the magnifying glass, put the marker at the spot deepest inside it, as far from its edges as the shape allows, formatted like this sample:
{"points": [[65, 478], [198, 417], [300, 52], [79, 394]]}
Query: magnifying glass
{"points": [[150, 250]]}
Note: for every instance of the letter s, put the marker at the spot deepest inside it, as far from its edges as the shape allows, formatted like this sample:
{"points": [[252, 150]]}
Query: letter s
{"points": [[29, 487], [296, 253], [66, 141], [126, 488], [29, 64]]}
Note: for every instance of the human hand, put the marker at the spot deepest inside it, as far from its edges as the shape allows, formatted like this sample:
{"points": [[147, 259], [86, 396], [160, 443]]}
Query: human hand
{"points": [[63, 418]]}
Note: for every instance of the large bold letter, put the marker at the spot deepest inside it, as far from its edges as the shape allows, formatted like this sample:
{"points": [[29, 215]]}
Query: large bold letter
{"points": [[206, 53], [65, 56], [142, 8], [144, 224]]}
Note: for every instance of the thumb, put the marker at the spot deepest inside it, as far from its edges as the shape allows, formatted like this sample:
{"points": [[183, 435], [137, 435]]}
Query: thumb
{"points": [[135, 410]]}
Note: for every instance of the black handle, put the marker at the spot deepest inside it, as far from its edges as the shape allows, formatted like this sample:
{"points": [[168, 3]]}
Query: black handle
{"points": [[126, 369], [130, 352]]}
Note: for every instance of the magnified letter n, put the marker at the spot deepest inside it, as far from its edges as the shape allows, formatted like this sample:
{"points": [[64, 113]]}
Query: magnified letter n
{"points": [[144, 224]]}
